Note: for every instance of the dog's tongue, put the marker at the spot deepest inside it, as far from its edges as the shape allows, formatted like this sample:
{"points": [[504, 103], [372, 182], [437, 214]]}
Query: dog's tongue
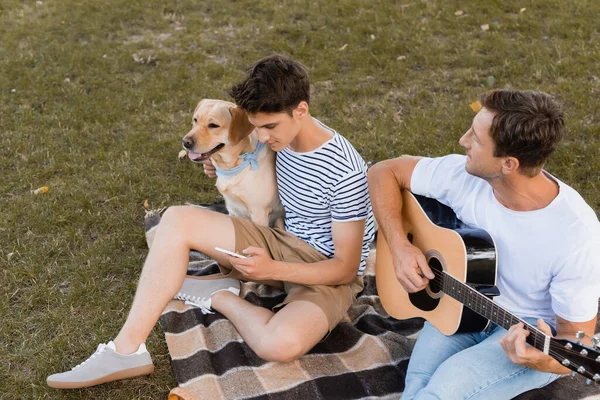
{"points": [[193, 156]]}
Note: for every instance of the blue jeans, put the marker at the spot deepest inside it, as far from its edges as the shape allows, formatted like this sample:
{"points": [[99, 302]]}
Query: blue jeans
{"points": [[467, 366]]}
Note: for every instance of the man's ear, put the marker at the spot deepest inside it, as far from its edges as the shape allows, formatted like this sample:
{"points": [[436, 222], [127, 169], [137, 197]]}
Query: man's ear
{"points": [[510, 165], [240, 126]]}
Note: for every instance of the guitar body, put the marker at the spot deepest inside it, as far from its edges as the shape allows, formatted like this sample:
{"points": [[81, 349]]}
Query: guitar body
{"points": [[467, 254]]}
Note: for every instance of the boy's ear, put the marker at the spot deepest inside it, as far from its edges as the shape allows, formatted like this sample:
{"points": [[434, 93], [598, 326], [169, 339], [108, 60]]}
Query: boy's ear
{"points": [[240, 126], [301, 109]]}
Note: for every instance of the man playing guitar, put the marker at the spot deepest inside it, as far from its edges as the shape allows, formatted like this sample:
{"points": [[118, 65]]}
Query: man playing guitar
{"points": [[544, 232]]}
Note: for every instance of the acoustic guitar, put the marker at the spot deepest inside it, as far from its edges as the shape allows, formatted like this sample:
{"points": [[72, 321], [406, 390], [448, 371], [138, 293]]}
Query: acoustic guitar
{"points": [[460, 297]]}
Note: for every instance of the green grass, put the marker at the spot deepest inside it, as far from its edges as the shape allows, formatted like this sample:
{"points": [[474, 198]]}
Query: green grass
{"points": [[80, 116]]}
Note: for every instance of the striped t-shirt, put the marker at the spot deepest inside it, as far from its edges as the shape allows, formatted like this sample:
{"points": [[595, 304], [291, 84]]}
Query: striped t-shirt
{"points": [[324, 185]]}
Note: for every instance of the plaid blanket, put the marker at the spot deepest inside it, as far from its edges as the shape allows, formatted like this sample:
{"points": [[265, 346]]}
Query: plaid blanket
{"points": [[364, 357]]}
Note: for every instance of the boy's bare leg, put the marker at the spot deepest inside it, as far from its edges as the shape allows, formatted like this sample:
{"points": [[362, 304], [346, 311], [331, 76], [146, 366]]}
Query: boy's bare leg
{"points": [[181, 229], [282, 336]]}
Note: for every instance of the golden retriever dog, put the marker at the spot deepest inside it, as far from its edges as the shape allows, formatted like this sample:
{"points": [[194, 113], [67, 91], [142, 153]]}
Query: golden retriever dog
{"points": [[245, 167]]}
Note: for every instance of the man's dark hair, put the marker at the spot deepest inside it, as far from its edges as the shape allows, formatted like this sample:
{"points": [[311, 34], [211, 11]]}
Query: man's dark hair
{"points": [[274, 84], [528, 125]]}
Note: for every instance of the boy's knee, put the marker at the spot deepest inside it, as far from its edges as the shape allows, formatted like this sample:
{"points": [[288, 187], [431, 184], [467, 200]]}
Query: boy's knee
{"points": [[283, 348], [173, 214]]}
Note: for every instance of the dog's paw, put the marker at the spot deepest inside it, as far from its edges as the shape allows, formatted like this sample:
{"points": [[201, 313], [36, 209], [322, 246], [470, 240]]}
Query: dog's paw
{"points": [[182, 154]]}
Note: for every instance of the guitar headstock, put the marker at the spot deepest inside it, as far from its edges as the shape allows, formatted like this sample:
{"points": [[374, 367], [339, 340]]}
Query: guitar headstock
{"points": [[578, 357]]}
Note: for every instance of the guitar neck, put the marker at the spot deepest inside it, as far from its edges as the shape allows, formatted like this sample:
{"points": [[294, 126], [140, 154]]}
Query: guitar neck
{"points": [[485, 307]]}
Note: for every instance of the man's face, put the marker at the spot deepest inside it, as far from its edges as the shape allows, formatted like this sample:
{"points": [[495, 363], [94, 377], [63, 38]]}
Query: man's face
{"points": [[480, 147], [277, 130]]}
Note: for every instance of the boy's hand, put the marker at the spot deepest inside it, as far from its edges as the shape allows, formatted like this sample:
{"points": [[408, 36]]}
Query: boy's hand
{"points": [[259, 265], [209, 168]]}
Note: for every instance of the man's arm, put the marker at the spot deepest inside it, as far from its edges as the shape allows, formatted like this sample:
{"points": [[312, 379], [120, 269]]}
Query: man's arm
{"points": [[338, 270], [386, 180], [515, 348]]}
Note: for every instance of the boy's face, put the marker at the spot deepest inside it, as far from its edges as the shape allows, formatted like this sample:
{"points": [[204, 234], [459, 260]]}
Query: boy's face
{"points": [[277, 130]]}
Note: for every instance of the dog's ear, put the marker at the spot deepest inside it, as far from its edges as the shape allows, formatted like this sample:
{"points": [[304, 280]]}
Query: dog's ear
{"points": [[240, 126]]}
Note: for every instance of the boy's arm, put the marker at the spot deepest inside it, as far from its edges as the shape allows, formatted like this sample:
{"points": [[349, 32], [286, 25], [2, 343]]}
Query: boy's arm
{"points": [[340, 269], [386, 180]]}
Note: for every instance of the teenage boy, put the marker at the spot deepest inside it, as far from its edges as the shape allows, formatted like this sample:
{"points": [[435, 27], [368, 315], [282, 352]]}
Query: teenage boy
{"points": [[318, 258]]}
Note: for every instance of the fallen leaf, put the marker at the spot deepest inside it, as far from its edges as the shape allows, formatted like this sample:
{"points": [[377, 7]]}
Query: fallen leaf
{"points": [[400, 58], [146, 204], [522, 10], [41, 190], [458, 13], [485, 27], [182, 154], [372, 37], [475, 106], [489, 81], [343, 47], [10, 255]]}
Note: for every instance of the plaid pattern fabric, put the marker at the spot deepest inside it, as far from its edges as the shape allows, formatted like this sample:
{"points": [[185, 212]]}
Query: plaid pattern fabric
{"points": [[364, 357]]}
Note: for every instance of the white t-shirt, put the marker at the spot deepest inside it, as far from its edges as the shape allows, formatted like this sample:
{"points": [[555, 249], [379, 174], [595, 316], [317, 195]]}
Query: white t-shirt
{"points": [[324, 185], [547, 261]]}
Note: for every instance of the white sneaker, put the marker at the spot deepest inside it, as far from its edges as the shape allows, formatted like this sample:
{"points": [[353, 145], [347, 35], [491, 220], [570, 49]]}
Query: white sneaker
{"points": [[198, 292], [105, 365]]}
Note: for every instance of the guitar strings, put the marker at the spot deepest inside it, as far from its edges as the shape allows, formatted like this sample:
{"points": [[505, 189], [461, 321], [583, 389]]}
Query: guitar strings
{"points": [[439, 278]]}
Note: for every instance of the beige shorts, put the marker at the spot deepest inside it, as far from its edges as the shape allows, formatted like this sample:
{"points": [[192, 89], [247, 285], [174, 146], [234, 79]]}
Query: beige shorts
{"points": [[284, 246]]}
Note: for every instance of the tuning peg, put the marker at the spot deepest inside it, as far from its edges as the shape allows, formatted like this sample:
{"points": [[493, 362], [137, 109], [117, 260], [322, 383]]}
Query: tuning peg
{"points": [[596, 378], [566, 362], [583, 352], [588, 381], [568, 346], [573, 373], [598, 359], [581, 370], [596, 342], [579, 335]]}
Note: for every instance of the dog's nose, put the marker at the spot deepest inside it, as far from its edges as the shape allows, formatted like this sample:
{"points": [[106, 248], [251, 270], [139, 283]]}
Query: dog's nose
{"points": [[188, 142]]}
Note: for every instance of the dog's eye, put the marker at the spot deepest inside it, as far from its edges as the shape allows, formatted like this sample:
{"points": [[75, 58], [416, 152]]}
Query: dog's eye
{"points": [[213, 125]]}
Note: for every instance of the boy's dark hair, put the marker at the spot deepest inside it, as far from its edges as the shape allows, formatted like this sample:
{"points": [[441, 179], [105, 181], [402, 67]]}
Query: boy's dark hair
{"points": [[528, 125], [273, 84]]}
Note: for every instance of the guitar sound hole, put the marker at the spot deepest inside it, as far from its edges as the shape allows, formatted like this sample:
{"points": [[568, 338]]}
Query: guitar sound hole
{"points": [[429, 298], [434, 284]]}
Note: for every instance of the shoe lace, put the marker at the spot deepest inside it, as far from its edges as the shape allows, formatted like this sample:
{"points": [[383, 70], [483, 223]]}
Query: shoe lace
{"points": [[203, 303], [101, 348]]}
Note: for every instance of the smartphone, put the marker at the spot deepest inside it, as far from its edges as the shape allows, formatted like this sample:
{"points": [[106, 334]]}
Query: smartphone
{"points": [[231, 253]]}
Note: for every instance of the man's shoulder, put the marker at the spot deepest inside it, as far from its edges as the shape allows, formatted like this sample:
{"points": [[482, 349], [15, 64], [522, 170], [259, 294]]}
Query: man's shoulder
{"points": [[574, 207], [442, 169]]}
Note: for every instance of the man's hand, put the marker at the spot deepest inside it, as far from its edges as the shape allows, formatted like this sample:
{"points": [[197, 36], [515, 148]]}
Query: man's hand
{"points": [[259, 265], [515, 347], [411, 267], [209, 168]]}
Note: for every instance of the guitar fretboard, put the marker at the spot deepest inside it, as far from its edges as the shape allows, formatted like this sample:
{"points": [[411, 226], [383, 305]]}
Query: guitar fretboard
{"points": [[485, 307]]}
